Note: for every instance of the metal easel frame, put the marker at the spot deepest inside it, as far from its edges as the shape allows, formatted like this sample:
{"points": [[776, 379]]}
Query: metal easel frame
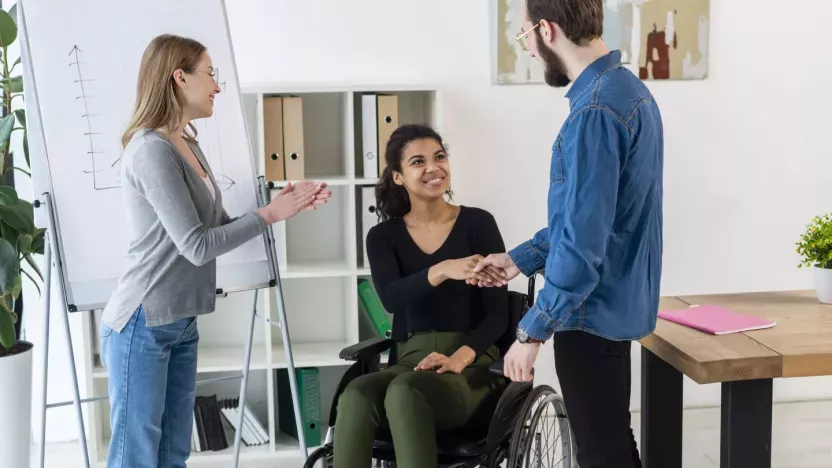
{"points": [[54, 259]]}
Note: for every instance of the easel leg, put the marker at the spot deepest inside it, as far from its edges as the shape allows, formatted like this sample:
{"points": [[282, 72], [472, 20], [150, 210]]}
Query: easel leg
{"points": [[284, 327], [290, 367], [244, 385], [47, 283], [50, 231]]}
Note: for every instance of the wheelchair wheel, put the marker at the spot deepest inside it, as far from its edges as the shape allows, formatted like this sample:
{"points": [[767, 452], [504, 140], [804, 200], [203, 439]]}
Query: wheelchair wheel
{"points": [[542, 436], [323, 454]]}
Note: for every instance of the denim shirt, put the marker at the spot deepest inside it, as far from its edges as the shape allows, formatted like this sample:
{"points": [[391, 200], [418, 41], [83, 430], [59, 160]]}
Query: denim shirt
{"points": [[601, 251]]}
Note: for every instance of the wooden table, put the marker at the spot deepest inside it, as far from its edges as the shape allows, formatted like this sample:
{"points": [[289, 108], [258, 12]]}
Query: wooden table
{"points": [[799, 345]]}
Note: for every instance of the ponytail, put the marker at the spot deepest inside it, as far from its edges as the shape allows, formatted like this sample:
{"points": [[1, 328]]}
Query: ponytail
{"points": [[392, 200]]}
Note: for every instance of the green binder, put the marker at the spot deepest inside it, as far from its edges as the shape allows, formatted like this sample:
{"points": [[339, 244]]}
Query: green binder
{"points": [[309, 394], [372, 304]]}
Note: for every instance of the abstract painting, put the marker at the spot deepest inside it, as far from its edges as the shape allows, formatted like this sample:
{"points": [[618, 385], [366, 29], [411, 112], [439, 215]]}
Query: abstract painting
{"points": [[658, 39]]}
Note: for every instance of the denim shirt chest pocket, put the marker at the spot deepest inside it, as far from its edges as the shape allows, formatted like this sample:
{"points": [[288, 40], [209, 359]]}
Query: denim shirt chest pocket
{"points": [[556, 170]]}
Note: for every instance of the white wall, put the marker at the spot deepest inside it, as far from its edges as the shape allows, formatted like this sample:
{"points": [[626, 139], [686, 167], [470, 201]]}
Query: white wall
{"points": [[727, 229]]}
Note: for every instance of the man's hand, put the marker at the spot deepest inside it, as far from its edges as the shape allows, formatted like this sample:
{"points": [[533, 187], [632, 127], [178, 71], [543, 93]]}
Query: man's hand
{"points": [[501, 263], [519, 360], [462, 269]]}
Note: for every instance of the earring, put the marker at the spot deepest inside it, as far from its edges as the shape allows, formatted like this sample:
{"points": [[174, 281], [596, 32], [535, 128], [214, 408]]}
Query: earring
{"points": [[449, 193]]}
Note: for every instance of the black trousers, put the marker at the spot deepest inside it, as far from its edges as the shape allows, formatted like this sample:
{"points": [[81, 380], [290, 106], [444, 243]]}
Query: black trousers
{"points": [[594, 375]]}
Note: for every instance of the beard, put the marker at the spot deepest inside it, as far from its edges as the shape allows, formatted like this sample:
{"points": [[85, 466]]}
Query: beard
{"points": [[554, 72]]}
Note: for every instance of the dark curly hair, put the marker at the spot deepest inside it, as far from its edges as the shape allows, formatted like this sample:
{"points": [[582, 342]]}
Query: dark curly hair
{"points": [[392, 200]]}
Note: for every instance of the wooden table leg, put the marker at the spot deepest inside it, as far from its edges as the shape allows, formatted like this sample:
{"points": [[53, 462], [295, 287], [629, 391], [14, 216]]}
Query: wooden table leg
{"points": [[661, 413], [746, 424]]}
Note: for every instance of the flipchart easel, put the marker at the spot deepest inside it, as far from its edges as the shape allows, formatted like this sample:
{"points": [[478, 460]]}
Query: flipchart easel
{"points": [[53, 260]]}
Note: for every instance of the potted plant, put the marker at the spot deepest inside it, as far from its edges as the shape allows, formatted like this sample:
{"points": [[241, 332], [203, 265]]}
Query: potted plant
{"points": [[815, 247], [19, 240]]}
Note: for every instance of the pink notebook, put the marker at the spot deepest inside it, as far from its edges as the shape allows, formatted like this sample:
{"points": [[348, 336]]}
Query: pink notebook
{"points": [[715, 320]]}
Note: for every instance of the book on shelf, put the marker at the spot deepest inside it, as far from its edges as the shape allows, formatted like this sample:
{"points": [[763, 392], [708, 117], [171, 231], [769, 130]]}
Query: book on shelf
{"points": [[309, 393], [215, 424]]}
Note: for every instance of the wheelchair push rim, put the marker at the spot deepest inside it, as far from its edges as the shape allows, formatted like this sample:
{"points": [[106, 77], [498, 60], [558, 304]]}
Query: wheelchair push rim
{"points": [[543, 437]]}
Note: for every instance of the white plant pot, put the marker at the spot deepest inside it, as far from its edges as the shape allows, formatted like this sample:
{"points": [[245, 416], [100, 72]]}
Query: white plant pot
{"points": [[16, 408], [823, 285]]}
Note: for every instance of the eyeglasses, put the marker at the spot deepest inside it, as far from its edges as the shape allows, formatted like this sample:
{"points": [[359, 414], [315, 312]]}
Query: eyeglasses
{"points": [[521, 38], [214, 73]]}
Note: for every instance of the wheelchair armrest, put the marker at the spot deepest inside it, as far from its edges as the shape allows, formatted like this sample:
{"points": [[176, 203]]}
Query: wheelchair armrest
{"points": [[365, 349], [496, 367]]}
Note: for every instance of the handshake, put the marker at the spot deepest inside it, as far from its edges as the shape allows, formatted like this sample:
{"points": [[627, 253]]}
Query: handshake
{"points": [[491, 271]]}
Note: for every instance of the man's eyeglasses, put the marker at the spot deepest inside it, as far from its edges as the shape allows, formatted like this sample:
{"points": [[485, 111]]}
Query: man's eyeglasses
{"points": [[521, 38]]}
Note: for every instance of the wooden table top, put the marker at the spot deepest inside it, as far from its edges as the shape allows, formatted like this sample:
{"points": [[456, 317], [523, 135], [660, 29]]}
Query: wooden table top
{"points": [[799, 345]]}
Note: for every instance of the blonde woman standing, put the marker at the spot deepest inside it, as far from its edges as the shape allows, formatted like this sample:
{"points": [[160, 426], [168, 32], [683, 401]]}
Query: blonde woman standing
{"points": [[177, 227]]}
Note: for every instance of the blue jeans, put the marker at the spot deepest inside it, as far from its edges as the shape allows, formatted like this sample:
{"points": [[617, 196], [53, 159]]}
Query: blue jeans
{"points": [[152, 381]]}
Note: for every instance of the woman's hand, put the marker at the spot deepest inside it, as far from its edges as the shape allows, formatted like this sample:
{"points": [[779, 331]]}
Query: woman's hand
{"points": [[292, 199], [321, 197], [462, 269], [456, 363]]}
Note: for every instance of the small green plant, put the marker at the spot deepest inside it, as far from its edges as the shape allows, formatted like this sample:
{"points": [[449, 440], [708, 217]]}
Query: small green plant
{"points": [[19, 238], [815, 244]]}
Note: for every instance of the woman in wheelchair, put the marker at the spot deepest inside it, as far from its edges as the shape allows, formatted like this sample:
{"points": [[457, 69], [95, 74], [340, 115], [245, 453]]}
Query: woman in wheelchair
{"points": [[445, 331]]}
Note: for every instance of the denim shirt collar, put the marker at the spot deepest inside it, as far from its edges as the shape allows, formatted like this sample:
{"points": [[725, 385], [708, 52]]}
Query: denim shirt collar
{"points": [[591, 73]]}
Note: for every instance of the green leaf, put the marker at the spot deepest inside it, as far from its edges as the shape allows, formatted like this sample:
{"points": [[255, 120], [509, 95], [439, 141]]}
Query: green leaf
{"points": [[38, 241], [31, 262], [21, 116], [6, 127], [9, 233], [6, 327], [9, 266], [26, 148], [13, 12], [15, 83], [19, 169], [8, 195], [33, 281], [8, 29], [24, 243], [16, 62], [20, 216], [18, 287]]}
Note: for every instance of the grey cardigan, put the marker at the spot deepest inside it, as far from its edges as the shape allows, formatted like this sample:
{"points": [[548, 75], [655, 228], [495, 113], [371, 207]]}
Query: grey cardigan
{"points": [[176, 231]]}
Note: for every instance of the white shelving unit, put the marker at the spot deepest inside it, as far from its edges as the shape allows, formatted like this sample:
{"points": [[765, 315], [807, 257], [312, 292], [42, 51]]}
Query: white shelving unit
{"points": [[320, 266]]}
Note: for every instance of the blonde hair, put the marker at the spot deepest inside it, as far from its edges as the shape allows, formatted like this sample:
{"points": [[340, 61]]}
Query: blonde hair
{"points": [[159, 101]]}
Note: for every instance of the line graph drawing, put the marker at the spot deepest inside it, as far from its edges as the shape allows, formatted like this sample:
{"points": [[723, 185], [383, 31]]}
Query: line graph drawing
{"points": [[104, 170], [210, 141]]}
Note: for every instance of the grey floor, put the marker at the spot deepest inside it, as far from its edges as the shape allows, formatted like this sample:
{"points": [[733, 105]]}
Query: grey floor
{"points": [[802, 439]]}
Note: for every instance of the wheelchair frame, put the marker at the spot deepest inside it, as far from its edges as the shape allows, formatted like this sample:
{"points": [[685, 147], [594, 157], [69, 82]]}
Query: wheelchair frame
{"points": [[507, 437]]}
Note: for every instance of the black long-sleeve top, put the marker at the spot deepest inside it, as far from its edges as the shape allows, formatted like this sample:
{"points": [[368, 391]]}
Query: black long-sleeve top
{"points": [[400, 274]]}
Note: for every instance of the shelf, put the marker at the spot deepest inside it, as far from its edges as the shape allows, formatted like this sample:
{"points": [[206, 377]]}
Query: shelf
{"points": [[217, 359], [366, 181], [316, 269], [330, 181], [320, 354]]}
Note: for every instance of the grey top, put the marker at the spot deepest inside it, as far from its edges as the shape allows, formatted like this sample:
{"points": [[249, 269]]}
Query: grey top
{"points": [[177, 229]]}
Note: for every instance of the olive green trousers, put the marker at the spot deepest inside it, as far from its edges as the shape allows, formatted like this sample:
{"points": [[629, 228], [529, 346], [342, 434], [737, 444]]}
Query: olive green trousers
{"points": [[413, 405]]}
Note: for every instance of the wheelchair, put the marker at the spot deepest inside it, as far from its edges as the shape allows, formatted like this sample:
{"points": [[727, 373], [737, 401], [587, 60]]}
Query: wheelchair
{"points": [[528, 428]]}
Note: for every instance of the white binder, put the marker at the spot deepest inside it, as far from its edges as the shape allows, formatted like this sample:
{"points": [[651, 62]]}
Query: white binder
{"points": [[369, 136], [369, 218]]}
